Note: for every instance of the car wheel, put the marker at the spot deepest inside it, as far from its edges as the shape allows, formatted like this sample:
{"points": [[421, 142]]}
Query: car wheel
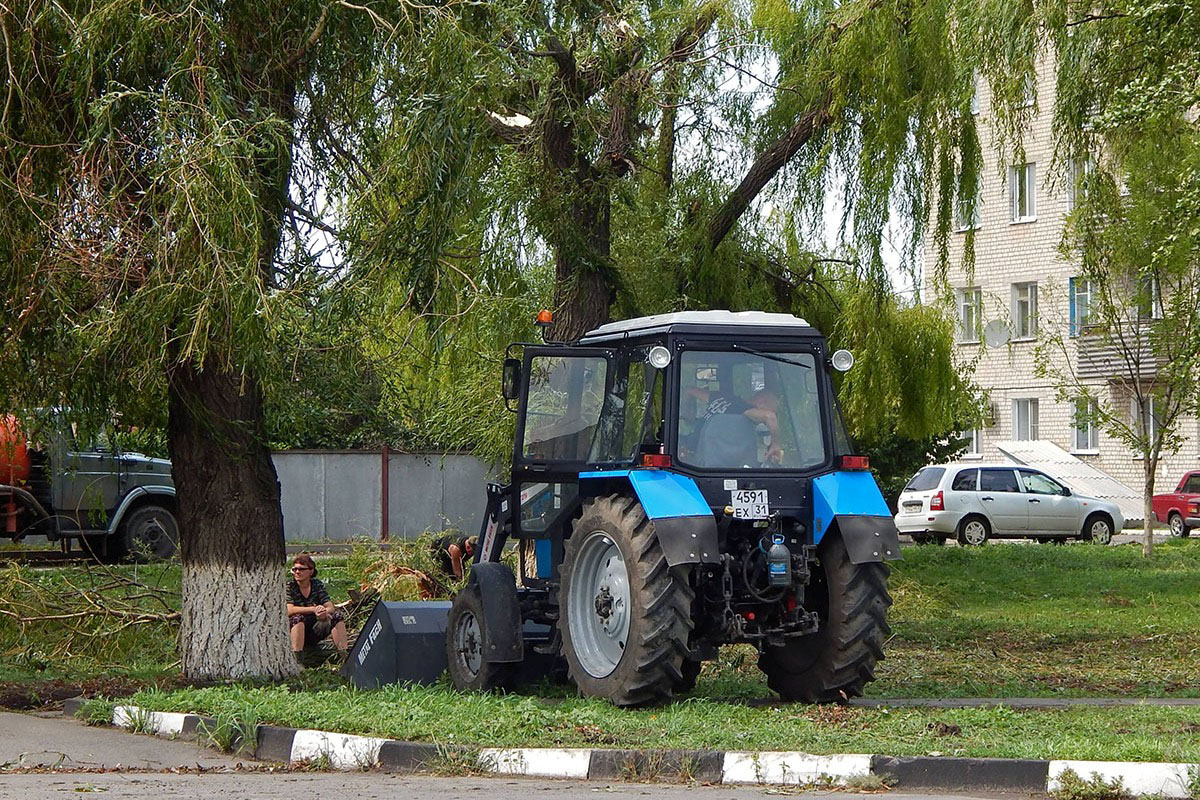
{"points": [[1178, 529], [974, 531], [1098, 528]]}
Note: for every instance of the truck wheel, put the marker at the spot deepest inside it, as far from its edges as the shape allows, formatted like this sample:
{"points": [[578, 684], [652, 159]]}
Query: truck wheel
{"points": [[1178, 529], [838, 660], [465, 646], [624, 615], [149, 533]]}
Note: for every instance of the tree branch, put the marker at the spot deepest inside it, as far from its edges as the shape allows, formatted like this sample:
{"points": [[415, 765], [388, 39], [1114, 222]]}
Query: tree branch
{"points": [[765, 167]]}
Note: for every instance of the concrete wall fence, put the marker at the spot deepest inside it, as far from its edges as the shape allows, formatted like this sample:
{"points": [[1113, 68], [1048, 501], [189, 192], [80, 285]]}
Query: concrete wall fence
{"points": [[336, 495]]}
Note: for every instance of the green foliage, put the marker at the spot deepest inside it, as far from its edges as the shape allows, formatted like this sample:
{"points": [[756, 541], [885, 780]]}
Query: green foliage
{"points": [[230, 732], [96, 712], [1072, 787]]}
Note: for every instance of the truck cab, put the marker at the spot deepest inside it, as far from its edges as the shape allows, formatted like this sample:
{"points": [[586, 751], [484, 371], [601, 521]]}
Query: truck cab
{"points": [[67, 488]]}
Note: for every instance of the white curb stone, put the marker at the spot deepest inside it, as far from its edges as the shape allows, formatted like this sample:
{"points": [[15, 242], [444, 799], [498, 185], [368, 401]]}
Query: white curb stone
{"points": [[539, 762], [343, 750], [1165, 780], [793, 768], [162, 723]]}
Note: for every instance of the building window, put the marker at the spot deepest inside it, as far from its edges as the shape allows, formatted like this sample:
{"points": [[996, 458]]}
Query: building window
{"points": [[1081, 304], [1029, 91], [974, 441], [1086, 436], [969, 305], [1024, 310], [966, 214], [1025, 419], [1022, 190], [1081, 170], [1149, 298], [1146, 421]]}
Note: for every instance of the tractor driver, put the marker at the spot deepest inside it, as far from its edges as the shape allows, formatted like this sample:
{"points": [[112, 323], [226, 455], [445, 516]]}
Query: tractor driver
{"points": [[763, 408]]}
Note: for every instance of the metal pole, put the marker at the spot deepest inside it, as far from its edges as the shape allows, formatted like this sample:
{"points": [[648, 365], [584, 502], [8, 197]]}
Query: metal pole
{"points": [[383, 503]]}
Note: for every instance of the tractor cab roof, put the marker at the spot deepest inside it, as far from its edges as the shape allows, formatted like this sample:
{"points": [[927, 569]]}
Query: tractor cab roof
{"points": [[749, 323]]}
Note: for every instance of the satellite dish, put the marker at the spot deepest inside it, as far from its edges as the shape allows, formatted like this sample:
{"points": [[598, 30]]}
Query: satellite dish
{"points": [[996, 333]]}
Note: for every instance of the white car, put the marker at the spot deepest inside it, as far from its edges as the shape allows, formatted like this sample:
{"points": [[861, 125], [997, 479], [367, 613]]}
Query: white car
{"points": [[977, 502]]}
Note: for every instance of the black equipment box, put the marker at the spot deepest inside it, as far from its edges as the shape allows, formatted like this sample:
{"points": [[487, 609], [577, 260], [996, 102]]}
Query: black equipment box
{"points": [[400, 642], [406, 643]]}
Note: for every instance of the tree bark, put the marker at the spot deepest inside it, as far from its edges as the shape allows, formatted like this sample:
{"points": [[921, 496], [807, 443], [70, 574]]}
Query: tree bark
{"points": [[230, 526], [765, 167], [584, 289], [1148, 511]]}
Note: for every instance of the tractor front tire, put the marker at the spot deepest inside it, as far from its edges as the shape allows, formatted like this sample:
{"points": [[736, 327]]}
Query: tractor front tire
{"points": [[624, 614], [466, 644], [834, 663]]}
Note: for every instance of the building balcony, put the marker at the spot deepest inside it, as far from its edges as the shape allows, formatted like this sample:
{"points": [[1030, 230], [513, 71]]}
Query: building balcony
{"points": [[1115, 351]]}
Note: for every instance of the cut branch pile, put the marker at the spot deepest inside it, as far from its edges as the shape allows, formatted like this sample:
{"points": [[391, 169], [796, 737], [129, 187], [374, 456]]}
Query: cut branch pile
{"points": [[56, 615]]}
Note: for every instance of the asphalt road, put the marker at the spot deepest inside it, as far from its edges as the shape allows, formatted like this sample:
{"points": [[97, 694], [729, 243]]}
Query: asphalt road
{"points": [[370, 786]]}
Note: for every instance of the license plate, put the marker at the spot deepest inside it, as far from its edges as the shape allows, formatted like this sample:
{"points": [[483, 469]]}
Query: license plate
{"points": [[750, 504], [912, 506]]}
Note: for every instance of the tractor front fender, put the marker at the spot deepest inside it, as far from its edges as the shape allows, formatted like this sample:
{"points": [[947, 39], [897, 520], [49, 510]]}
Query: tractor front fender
{"points": [[683, 522], [851, 502], [501, 611]]}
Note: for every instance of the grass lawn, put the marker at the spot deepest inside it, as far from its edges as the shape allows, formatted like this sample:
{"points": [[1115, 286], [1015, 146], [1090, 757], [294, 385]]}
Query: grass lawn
{"points": [[1004, 620]]}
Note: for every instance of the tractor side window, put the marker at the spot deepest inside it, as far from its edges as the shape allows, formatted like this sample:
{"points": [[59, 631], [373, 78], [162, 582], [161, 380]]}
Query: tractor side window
{"points": [[562, 407], [542, 503], [631, 420]]}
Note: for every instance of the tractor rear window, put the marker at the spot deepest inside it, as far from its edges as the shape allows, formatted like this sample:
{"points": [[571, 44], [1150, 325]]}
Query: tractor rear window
{"points": [[563, 406], [740, 410], [926, 479]]}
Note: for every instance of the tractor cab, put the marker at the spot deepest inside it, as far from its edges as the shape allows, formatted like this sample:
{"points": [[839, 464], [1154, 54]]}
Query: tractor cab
{"points": [[703, 451]]}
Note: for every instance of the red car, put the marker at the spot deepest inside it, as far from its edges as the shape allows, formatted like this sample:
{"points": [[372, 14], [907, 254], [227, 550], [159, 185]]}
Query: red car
{"points": [[1180, 509]]}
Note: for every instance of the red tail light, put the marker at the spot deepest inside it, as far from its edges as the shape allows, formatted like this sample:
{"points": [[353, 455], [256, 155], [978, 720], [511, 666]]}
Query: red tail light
{"points": [[937, 502], [655, 460], [856, 462]]}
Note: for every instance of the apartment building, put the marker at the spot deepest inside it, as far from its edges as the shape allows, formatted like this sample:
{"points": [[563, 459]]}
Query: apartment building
{"points": [[1022, 281]]}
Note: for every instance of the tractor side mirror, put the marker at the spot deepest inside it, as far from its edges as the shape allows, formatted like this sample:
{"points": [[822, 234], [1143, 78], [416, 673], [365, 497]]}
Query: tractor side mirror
{"points": [[510, 382]]}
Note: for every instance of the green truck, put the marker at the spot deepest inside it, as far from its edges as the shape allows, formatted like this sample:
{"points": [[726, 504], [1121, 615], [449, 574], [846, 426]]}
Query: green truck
{"points": [[114, 504]]}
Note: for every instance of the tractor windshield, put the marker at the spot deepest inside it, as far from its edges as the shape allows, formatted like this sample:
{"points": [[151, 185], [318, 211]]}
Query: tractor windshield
{"points": [[740, 410]]}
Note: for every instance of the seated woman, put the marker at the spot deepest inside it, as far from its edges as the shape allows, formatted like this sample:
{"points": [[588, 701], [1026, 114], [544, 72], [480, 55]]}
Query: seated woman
{"points": [[311, 615]]}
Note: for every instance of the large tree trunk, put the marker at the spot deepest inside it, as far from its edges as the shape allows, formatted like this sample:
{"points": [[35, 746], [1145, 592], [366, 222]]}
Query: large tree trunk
{"points": [[585, 286], [230, 526]]}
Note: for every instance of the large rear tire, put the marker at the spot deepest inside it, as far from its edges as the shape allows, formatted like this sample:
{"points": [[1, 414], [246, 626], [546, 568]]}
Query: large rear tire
{"points": [[838, 660], [624, 615]]}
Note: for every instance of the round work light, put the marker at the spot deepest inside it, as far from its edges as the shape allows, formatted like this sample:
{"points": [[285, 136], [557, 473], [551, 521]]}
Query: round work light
{"points": [[842, 360], [659, 357]]}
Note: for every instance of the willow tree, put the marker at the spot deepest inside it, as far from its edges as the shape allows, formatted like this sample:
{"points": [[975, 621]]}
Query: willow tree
{"points": [[675, 154], [150, 191]]}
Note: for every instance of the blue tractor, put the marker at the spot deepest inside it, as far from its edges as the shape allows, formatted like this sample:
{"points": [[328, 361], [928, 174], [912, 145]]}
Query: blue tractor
{"points": [[679, 482]]}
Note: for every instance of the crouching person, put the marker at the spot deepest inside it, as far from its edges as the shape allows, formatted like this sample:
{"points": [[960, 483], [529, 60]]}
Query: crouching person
{"points": [[311, 615]]}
